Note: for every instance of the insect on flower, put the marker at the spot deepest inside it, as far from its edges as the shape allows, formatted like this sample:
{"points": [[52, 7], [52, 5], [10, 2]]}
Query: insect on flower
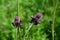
{"points": [[35, 20], [16, 22]]}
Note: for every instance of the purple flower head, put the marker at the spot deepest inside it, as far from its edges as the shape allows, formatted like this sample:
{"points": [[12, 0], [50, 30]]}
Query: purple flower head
{"points": [[16, 18], [38, 15], [35, 20], [17, 23]]}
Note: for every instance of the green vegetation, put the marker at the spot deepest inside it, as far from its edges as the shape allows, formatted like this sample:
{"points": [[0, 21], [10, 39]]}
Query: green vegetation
{"points": [[49, 29]]}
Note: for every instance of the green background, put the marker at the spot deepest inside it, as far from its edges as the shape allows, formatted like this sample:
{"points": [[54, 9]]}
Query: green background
{"points": [[50, 9]]}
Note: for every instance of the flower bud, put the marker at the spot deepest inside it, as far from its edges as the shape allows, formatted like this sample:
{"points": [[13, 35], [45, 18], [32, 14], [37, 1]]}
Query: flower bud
{"points": [[16, 18], [39, 15], [35, 20]]}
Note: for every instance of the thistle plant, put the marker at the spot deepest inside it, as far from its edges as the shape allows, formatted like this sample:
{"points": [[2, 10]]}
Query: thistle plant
{"points": [[17, 22], [18, 25], [34, 21]]}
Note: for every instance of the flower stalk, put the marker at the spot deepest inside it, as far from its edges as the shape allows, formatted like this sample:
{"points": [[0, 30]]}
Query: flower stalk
{"points": [[17, 29], [54, 16], [30, 26], [34, 21]]}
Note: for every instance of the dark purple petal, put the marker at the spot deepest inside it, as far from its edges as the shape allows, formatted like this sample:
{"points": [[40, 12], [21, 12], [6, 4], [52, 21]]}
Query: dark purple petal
{"points": [[20, 21], [32, 17], [51, 21], [13, 23]]}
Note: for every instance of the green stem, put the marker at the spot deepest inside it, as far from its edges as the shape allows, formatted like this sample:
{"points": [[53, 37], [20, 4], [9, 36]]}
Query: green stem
{"points": [[55, 7], [29, 36], [16, 33], [17, 7], [17, 29], [27, 30], [23, 33]]}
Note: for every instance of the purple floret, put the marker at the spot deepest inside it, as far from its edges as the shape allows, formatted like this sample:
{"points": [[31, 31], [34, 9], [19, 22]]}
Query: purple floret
{"points": [[39, 15], [17, 23], [32, 17], [35, 20], [16, 18]]}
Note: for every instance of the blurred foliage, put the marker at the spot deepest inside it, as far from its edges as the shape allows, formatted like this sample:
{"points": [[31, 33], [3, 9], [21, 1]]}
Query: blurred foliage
{"points": [[8, 10]]}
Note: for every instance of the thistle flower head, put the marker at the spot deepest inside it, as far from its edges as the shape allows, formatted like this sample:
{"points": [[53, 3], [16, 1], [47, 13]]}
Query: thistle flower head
{"points": [[16, 18], [38, 15], [35, 20], [17, 23]]}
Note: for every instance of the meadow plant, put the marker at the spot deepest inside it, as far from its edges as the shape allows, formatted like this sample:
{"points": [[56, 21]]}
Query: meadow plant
{"points": [[16, 22], [34, 21]]}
